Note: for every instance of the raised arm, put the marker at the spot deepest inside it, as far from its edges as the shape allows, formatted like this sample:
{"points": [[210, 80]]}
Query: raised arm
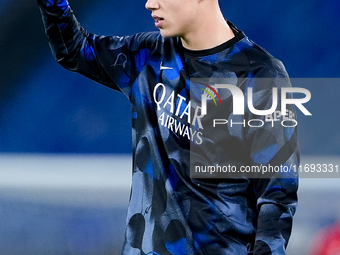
{"points": [[109, 60]]}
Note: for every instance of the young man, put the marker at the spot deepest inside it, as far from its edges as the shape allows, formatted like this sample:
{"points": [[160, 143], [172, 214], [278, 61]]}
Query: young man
{"points": [[170, 212]]}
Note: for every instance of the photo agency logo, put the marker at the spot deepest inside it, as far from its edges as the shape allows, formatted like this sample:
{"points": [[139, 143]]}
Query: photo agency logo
{"points": [[281, 110], [232, 111]]}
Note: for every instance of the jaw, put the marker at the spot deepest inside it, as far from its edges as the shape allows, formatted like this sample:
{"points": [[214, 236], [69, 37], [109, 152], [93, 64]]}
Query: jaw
{"points": [[168, 32]]}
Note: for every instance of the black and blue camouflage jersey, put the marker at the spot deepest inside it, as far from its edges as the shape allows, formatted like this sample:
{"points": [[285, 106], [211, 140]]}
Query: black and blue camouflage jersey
{"points": [[170, 212]]}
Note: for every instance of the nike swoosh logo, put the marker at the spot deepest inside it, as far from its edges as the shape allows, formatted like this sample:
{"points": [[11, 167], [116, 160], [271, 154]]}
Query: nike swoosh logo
{"points": [[165, 67]]}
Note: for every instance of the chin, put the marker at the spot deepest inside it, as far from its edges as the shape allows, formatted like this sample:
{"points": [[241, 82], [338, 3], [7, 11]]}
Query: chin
{"points": [[166, 33]]}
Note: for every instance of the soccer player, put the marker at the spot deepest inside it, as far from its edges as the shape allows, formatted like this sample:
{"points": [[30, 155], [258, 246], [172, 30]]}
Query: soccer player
{"points": [[171, 212]]}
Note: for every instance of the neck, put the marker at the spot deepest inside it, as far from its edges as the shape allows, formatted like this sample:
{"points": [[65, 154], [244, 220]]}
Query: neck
{"points": [[210, 30]]}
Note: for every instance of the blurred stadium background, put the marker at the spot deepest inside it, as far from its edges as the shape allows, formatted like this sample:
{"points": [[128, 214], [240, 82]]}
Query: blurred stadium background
{"points": [[65, 141]]}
